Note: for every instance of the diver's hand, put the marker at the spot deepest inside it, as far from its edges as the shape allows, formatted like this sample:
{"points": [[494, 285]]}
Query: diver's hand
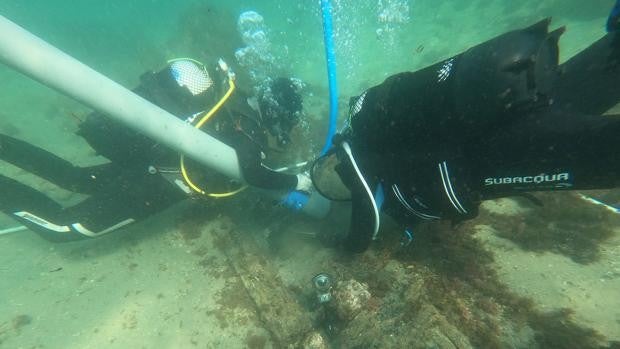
{"points": [[304, 183], [296, 200]]}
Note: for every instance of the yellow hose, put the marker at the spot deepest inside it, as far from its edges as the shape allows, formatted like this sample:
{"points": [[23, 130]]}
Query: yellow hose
{"points": [[220, 103], [215, 109]]}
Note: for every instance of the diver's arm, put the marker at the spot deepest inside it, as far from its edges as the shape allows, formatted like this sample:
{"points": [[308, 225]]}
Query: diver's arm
{"points": [[254, 172], [259, 176]]}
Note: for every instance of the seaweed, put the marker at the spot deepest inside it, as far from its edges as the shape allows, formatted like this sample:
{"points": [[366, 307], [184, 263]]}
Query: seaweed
{"points": [[558, 330], [253, 341], [466, 288], [20, 321], [193, 218], [565, 225], [453, 272]]}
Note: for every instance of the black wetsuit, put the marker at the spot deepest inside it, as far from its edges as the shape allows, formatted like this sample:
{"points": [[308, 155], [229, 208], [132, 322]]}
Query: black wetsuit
{"points": [[497, 120], [142, 177]]}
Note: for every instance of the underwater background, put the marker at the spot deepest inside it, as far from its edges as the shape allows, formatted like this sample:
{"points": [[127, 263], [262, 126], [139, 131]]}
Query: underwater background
{"points": [[236, 273]]}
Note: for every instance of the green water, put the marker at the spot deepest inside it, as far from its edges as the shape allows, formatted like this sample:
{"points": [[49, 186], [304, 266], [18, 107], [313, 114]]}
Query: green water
{"points": [[165, 283], [122, 40]]}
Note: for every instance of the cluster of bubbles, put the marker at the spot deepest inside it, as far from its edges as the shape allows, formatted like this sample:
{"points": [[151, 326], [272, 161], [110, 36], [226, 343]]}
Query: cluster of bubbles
{"points": [[262, 59], [391, 15], [348, 17], [256, 55], [354, 22]]}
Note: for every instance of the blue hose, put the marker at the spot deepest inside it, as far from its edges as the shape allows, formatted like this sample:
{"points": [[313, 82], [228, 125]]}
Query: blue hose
{"points": [[613, 22], [330, 54]]}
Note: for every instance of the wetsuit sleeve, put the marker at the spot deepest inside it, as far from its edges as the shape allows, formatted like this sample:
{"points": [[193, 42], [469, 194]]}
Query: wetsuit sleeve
{"points": [[253, 171]]}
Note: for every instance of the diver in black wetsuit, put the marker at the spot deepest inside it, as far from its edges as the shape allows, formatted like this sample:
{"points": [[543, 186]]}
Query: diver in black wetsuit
{"points": [[500, 119], [143, 177]]}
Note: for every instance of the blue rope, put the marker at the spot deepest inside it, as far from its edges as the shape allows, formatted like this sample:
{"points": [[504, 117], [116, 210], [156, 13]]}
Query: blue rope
{"points": [[330, 54]]}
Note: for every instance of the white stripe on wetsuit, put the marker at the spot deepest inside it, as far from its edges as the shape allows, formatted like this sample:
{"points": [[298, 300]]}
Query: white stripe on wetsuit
{"points": [[447, 186], [403, 201], [347, 150], [84, 231], [42, 222]]}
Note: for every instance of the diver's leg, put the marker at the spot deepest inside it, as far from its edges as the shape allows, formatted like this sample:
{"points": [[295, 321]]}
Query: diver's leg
{"points": [[121, 205], [17, 197], [590, 80], [53, 168], [108, 210], [550, 151], [32, 208]]}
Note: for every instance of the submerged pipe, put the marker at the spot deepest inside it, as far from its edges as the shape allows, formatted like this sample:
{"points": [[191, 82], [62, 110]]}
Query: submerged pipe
{"points": [[45, 63]]}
